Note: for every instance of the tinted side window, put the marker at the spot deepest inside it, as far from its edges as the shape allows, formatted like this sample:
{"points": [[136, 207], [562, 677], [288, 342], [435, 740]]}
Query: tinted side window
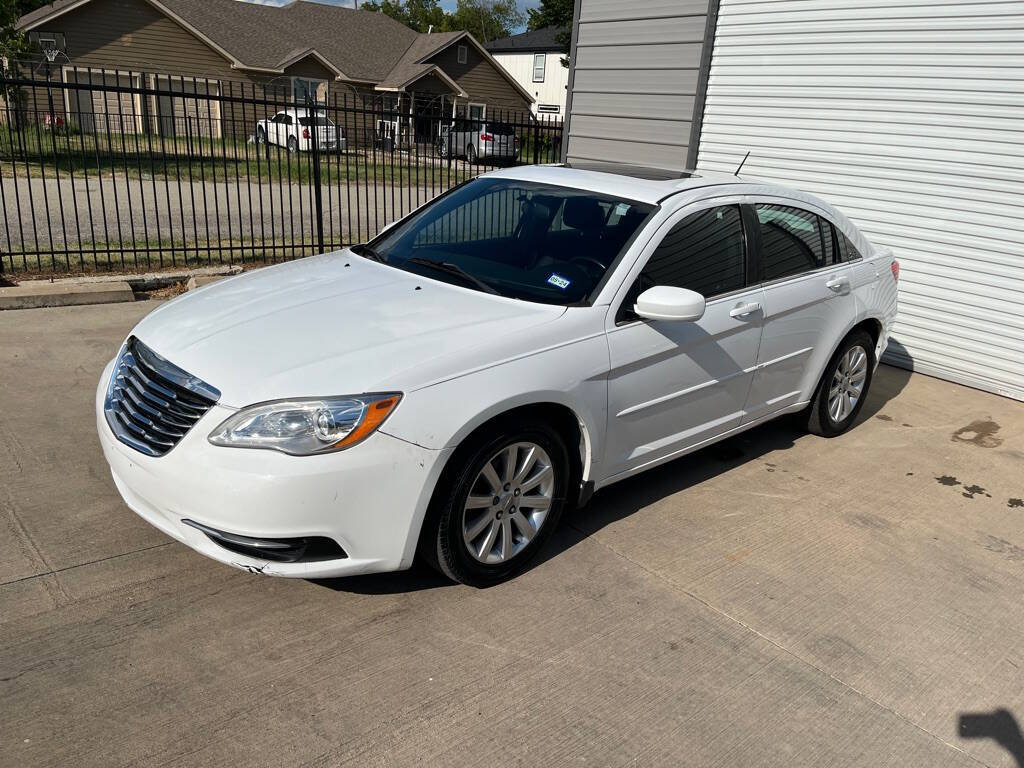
{"points": [[828, 237], [704, 252], [791, 241], [847, 250]]}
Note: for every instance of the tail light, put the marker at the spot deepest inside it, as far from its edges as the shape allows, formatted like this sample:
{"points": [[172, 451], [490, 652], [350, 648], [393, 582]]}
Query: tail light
{"points": [[305, 133], [486, 137], [895, 267]]}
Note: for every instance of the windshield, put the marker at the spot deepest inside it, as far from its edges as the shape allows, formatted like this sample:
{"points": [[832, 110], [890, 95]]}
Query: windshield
{"points": [[519, 239]]}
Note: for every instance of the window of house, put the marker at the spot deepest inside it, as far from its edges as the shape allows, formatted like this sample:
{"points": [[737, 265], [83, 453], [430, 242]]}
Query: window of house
{"points": [[477, 111], [304, 86], [539, 60], [704, 252], [463, 54], [550, 109], [791, 241]]}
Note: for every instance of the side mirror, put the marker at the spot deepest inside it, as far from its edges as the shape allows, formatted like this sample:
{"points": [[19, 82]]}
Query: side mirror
{"points": [[665, 302]]}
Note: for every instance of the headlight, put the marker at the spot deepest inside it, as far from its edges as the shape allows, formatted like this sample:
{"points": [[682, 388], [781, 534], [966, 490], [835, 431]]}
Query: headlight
{"points": [[306, 427]]}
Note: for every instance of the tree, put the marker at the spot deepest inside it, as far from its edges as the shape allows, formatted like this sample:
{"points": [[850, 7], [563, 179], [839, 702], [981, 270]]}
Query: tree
{"points": [[420, 15], [486, 19], [554, 13]]}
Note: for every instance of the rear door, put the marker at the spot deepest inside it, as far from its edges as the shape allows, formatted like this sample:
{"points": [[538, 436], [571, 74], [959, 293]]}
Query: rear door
{"points": [[674, 385], [808, 304]]}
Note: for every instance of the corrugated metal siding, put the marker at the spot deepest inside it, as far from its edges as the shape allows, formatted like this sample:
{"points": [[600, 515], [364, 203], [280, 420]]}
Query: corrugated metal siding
{"points": [[635, 78], [910, 118]]}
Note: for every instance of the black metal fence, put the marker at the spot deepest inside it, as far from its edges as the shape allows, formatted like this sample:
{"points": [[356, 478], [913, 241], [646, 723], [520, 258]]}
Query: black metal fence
{"points": [[105, 170]]}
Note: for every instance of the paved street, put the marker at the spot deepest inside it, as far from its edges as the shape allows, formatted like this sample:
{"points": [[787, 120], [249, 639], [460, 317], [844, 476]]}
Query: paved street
{"points": [[131, 211], [776, 600]]}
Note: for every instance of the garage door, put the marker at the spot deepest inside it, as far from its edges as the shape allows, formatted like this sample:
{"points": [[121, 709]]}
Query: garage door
{"points": [[910, 117], [100, 110]]}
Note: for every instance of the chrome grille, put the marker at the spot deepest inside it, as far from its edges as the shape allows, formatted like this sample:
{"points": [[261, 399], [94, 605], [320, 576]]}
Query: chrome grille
{"points": [[151, 403]]}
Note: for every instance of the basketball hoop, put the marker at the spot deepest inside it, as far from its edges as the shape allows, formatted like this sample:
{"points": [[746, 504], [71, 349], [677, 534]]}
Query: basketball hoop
{"points": [[51, 44]]}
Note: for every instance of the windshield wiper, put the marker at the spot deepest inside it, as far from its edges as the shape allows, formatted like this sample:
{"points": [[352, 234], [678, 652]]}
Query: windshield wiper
{"points": [[454, 269], [368, 252]]}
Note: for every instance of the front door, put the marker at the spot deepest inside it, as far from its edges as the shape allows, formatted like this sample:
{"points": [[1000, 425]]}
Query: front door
{"points": [[673, 385], [807, 303]]}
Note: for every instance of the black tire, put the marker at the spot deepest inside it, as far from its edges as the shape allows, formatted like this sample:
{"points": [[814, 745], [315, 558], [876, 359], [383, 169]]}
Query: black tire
{"points": [[293, 144], [471, 157], [820, 418], [261, 135], [442, 543]]}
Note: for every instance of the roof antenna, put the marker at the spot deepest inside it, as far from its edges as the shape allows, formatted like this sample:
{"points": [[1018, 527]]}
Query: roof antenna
{"points": [[740, 166]]}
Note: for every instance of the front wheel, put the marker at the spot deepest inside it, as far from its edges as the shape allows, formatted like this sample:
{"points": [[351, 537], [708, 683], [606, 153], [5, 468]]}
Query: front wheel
{"points": [[293, 144], [261, 135], [843, 386], [500, 502], [471, 157]]}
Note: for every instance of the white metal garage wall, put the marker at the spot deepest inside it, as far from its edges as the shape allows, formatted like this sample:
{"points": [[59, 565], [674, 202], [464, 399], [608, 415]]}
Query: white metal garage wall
{"points": [[908, 115]]}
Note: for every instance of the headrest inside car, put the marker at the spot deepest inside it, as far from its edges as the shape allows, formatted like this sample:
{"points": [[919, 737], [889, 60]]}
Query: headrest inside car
{"points": [[583, 213]]}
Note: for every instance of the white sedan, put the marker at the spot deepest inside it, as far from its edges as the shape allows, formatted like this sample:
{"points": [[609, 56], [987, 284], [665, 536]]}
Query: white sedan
{"points": [[294, 130], [450, 388]]}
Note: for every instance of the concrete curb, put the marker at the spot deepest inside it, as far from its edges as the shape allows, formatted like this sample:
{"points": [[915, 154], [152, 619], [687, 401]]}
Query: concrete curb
{"points": [[146, 281], [46, 294]]}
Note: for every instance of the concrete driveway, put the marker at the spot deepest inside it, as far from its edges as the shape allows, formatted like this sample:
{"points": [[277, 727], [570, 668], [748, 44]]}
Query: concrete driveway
{"points": [[777, 600]]}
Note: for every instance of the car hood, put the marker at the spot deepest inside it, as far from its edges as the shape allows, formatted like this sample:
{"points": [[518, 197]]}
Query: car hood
{"points": [[331, 325]]}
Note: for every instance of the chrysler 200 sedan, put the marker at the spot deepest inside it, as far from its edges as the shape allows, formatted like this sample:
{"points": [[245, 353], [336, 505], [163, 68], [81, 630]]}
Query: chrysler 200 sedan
{"points": [[448, 389]]}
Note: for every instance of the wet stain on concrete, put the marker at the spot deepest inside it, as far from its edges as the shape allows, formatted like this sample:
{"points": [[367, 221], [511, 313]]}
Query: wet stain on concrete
{"points": [[1015, 503], [866, 520], [947, 480], [981, 433], [1007, 549], [970, 491], [883, 417]]}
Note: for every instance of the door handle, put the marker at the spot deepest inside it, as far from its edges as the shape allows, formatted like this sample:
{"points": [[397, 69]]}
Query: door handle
{"points": [[742, 310], [838, 284]]}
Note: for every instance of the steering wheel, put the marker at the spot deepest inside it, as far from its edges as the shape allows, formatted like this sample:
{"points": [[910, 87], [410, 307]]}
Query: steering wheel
{"points": [[589, 264]]}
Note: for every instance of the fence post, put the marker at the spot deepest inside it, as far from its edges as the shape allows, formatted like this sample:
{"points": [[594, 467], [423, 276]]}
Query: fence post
{"points": [[536, 140], [313, 105]]}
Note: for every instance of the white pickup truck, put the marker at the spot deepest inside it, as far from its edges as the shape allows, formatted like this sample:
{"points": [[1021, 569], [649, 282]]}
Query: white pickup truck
{"points": [[293, 128]]}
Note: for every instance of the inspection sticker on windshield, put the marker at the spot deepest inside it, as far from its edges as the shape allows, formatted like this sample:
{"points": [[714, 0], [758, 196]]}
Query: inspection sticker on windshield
{"points": [[558, 281]]}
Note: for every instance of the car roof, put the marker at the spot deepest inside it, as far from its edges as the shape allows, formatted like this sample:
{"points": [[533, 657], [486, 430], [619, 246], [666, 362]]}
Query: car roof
{"points": [[653, 185], [645, 185]]}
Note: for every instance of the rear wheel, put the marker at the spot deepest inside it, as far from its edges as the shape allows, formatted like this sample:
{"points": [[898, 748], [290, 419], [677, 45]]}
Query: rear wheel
{"points": [[501, 500], [293, 144], [471, 157], [843, 386], [261, 135]]}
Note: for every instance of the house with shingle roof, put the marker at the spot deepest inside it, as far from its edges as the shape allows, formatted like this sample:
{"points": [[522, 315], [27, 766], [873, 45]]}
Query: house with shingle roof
{"points": [[300, 48]]}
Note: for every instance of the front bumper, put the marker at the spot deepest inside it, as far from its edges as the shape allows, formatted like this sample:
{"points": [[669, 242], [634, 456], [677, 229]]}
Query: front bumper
{"points": [[370, 499]]}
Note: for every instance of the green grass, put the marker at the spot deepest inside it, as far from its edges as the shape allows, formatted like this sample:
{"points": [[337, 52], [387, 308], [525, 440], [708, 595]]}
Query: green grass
{"points": [[35, 151]]}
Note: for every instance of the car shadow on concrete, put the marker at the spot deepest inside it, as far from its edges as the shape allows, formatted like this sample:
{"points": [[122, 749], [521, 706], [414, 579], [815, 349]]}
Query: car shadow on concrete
{"points": [[999, 725], [628, 496]]}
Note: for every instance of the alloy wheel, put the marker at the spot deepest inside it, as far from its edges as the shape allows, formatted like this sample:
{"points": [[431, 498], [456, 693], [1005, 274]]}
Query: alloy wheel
{"points": [[508, 503], [847, 383]]}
